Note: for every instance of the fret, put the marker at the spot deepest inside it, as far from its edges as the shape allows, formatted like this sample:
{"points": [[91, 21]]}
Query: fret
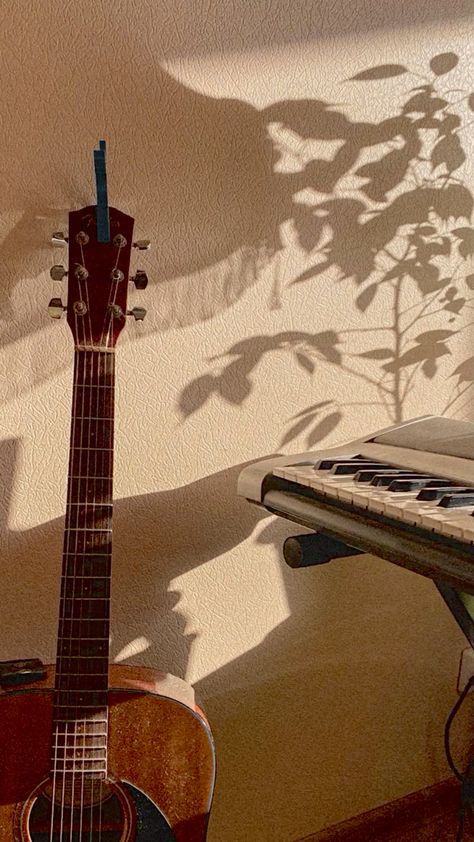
{"points": [[95, 464], [89, 638], [88, 724], [79, 648], [102, 418], [79, 542], [82, 587], [82, 706], [84, 674], [74, 683], [84, 610], [81, 754], [82, 665], [88, 555], [87, 699], [94, 740], [86, 658], [90, 566], [85, 519], [82, 447], [88, 629], [84, 476], [83, 529], [97, 774], [92, 436]]}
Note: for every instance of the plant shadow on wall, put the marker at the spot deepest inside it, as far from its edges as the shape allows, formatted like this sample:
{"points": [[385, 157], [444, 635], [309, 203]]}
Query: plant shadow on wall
{"points": [[397, 226]]}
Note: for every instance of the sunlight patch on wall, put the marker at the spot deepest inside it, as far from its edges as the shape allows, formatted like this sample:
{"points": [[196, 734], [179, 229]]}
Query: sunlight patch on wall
{"points": [[135, 647]]}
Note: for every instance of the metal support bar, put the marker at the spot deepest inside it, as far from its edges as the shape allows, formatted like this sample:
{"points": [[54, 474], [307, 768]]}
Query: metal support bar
{"points": [[316, 548], [461, 606]]}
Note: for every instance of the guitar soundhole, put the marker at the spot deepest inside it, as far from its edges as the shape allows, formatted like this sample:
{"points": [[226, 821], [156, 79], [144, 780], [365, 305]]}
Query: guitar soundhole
{"points": [[103, 811]]}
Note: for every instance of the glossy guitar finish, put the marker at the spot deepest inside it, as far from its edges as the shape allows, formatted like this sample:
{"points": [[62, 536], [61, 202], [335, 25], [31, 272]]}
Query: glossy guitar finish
{"points": [[160, 745]]}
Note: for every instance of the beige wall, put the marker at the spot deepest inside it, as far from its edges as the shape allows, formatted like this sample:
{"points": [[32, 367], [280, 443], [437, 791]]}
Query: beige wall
{"points": [[327, 688]]}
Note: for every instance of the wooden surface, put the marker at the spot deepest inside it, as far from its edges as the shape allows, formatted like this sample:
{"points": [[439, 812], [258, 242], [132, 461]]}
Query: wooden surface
{"points": [[160, 745], [430, 815]]}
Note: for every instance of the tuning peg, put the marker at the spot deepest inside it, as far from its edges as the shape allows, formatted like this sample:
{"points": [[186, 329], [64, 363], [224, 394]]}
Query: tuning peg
{"points": [[56, 308], [138, 313], [57, 272], [140, 279], [59, 238], [142, 245]]}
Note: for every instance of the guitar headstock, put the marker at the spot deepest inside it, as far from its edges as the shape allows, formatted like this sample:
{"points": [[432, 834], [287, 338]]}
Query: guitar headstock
{"points": [[97, 278], [100, 243]]}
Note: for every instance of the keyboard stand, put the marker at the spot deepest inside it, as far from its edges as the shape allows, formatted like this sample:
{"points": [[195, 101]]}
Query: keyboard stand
{"points": [[461, 606], [317, 548]]}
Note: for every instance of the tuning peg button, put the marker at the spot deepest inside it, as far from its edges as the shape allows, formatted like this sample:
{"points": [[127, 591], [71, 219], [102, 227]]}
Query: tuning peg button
{"points": [[140, 279], [57, 272], [142, 245], [138, 313], [59, 238], [56, 308]]}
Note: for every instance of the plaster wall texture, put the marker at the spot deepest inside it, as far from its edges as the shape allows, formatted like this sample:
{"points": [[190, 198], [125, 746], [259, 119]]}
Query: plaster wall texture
{"points": [[235, 132]]}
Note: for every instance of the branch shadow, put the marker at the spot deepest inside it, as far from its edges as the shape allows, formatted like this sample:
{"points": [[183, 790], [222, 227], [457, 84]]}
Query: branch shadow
{"points": [[248, 184]]}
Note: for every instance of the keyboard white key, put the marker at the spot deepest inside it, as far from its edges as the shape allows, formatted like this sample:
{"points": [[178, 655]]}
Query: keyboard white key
{"points": [[401, 506]]}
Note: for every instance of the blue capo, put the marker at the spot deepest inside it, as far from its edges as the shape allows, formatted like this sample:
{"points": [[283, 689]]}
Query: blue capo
{"points": [[103, 222]]}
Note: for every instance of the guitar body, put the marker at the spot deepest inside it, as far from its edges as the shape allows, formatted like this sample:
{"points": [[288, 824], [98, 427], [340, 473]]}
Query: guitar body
{"points": [[161, 766]]}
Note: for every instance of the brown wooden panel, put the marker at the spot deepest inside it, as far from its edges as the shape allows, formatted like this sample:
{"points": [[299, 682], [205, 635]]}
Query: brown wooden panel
{"points": [[429, 815]]}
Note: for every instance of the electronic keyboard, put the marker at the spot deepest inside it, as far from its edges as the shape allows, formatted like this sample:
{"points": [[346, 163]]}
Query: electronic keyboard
{"points": [[405, 493]]}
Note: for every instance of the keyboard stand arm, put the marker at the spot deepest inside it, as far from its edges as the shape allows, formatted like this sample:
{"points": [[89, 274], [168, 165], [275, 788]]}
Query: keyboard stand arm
{"points": [[315, 548], [461, 606]]}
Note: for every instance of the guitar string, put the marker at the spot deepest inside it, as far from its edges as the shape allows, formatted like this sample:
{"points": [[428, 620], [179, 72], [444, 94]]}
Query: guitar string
{"points": [[109, 357], [85, 509], [73, 602], [56, 746], [105, 340], [65, 621], [91, 412], [101, 502], [91, 819], [96, 486], [74, 518], [64, 627]]}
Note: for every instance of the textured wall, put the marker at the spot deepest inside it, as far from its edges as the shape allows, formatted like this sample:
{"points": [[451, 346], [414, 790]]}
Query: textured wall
{"points": [[235, 138]]}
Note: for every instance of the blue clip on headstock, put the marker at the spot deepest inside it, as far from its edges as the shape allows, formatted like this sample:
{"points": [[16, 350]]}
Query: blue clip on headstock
{"points": [[103, 221]]}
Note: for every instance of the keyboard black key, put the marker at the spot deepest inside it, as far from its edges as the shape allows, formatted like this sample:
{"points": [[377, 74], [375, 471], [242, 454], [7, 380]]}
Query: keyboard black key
{"points": [[437, 483], [433, 492], [451, 501], [368, 475], [327, 464], [351, 467], [412, 484], [386, 479]]}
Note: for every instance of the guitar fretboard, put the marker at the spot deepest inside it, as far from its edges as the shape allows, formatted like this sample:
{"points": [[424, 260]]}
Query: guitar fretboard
{"points": [[80, 714]]}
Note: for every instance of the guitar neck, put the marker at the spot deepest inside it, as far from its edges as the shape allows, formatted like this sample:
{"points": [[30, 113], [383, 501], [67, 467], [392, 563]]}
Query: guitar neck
{"points": [[83, 636]]}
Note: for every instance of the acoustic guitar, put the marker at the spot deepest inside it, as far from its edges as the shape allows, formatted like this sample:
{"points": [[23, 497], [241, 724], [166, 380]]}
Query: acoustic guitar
{"points": [[96, 752]]}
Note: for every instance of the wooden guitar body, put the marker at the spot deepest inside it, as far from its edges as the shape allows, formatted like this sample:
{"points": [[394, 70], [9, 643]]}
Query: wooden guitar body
{"points": [[161, 765]]}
